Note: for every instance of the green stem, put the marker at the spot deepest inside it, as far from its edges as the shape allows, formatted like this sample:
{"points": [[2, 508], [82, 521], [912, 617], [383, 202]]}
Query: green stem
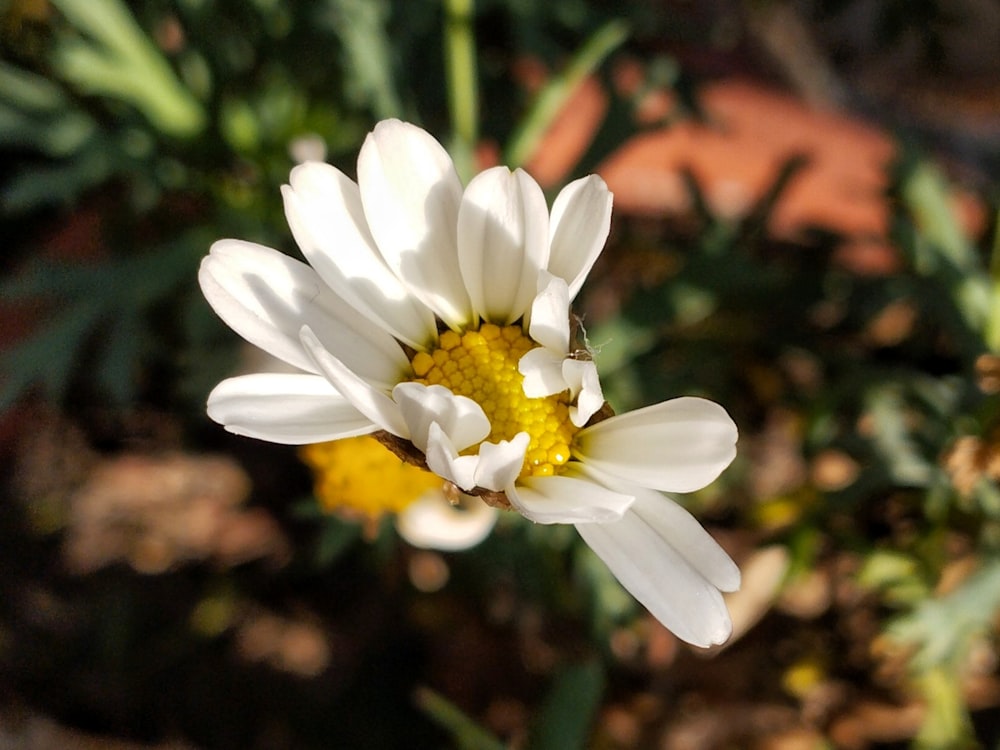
{"points": [[560, 88], [464, 731], [992, 334], [463, 90]]}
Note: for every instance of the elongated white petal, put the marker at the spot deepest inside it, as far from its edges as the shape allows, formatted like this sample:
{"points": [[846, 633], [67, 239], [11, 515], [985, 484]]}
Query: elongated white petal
{"points": [[431, 522], [549, 324], [661, 579], [500, 463], [324, 211], [366, 398], [567, 498], [683, 532], [443, 459], [584, 388], [411, 193], [289, 408], [543, 372], [503, 226], [461, 418], [581, 219], [266, 297], [679, 445]]}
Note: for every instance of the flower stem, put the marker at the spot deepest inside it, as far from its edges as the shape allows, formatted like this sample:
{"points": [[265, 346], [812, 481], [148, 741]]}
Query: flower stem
{"points": [[463, 89], [558, 90], [992, 334]]}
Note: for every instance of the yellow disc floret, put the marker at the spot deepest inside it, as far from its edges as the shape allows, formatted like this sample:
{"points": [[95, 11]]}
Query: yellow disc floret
{"points": [[360, 477], [482, 365]]}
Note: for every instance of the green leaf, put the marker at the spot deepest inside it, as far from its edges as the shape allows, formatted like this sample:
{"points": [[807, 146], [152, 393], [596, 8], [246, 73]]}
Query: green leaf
{"points": [[940, 249], [114, 57], [367, 49], [892, 437], [943, 629], [568, 710], [118, 292], [30, 92], [49, 356], [466, 733], [947, 725], [59, 183], [336, 538]]}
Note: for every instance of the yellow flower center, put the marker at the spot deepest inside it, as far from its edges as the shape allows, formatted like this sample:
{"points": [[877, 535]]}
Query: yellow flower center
{"points": [[359, 476], [482, 365]]}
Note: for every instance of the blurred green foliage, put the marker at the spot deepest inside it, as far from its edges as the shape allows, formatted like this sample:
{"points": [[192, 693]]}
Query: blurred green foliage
{"points": [[176, 123]]}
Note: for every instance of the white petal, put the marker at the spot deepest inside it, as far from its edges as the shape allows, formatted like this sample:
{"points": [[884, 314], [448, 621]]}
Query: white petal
{"points": [[679, 445], [266, 297], [324, 211], [461, 418], [683, 532], [443, 459], [543, 372], [288, 408], [500, 463], [581, 219], [411, 194], [566, 498], [502, 242], [584, 387], [431, 522], [663, 581], [365, 397], [550, 314]]}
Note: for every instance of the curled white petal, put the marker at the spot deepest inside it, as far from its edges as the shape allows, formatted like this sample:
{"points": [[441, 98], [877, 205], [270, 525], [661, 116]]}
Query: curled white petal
{"points": [[584, 389], [411, 194], [661, 579], [567, 498], [679, 445], [366, 398], [502, 242], [289, 408], [324, 211], [543, 372], [549, 324], [266, 297], [443, 459], [581, 219], [500, 463], [461, 418], [431, 522]]}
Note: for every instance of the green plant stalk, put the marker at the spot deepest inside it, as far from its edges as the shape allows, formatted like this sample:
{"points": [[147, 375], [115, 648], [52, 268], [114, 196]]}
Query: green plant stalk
{"points": [[549, 102], [464, 731], [462, 81], [992, 332], [120, 61]]}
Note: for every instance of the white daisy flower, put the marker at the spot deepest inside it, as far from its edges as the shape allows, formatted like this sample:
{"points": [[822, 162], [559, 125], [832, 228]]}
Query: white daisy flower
{"points": [[437, 319]]}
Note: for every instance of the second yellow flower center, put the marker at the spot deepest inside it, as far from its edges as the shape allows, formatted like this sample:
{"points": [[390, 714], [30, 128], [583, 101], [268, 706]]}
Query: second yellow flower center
{"points": [[359, 477], [482, 365]]}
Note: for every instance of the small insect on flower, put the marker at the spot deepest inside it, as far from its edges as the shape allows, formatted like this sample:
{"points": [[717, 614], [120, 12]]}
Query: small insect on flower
{"points": [[437, 319]]}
